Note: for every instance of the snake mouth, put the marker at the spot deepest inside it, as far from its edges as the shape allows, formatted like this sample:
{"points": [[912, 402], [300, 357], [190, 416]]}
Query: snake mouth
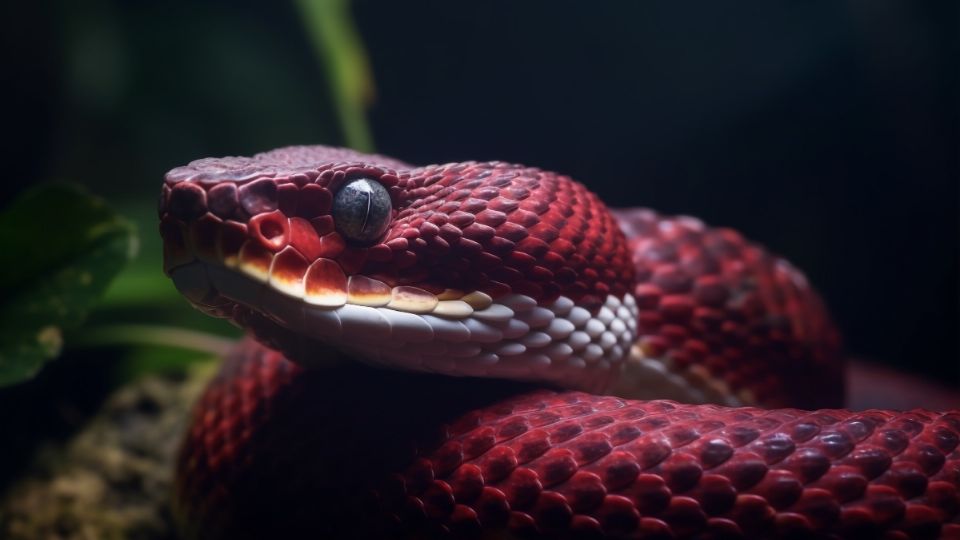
{"points": [[511, 336]]}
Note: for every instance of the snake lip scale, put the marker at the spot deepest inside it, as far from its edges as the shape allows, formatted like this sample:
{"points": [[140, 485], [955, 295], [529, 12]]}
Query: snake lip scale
{"points": [[366, 283]]}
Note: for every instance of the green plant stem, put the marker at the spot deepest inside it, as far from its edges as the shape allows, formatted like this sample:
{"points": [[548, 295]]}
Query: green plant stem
{"points": [[337, 44], [152, 335]]}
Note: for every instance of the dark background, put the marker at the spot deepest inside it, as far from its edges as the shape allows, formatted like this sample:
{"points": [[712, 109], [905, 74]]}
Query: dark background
{"points": [[826, 130]]}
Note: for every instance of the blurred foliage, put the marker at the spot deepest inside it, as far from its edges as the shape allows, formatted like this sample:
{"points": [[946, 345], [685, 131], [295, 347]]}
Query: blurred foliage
{"points": [[116, 93], [143, 88], [338, 44], [59, 249]]}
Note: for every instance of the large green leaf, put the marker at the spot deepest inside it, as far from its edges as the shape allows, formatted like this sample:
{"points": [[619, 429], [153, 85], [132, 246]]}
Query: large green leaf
{"points": [[59, 249]]}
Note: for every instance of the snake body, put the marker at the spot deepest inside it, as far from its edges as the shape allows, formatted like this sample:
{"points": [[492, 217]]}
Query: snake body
{"points": [[565, 325]]}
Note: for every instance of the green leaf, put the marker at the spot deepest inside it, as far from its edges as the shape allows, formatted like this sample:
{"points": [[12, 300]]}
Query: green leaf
{"points": [[142, 288], [59, 249], [338, 45]]}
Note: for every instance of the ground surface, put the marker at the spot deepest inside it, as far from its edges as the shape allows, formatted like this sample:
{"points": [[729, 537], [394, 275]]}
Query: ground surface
{"points": [[112, 480]]}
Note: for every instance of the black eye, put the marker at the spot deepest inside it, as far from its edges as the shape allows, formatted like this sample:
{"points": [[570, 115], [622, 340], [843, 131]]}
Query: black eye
{"points": [[361, 210]]}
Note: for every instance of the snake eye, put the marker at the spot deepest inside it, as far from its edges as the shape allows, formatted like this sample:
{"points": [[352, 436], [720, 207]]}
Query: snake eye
{"points": [[361, 210]]}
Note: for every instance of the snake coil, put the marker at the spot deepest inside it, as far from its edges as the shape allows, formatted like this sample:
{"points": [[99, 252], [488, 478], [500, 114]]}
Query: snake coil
{"points": [[554, 368]]}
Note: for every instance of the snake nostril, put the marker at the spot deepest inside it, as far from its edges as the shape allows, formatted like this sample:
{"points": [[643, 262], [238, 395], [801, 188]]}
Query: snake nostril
{"points": [[272, 230]]}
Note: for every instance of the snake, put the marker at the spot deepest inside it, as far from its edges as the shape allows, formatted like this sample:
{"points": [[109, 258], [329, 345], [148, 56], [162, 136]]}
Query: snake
{"points": [[487, 350]]}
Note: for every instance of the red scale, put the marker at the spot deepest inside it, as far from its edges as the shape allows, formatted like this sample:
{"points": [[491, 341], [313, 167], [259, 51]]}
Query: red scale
{"points": [[276, 450]]}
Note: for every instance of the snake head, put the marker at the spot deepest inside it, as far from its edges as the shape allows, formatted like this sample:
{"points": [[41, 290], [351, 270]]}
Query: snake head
{"points": [[464, 268]]}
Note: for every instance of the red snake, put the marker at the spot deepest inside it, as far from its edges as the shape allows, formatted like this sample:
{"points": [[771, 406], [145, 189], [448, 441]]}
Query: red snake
{"points": [[593, 373]]}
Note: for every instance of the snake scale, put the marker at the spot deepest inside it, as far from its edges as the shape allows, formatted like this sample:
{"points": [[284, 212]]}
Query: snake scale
{"points": [[485, 350]]}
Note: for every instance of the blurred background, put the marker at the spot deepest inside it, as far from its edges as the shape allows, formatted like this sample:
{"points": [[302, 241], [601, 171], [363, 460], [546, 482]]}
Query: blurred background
{"points": [[828, 131]]}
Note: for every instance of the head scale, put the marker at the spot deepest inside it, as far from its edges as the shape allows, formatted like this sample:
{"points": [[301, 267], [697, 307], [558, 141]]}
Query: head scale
{"points": [[464, 268]]}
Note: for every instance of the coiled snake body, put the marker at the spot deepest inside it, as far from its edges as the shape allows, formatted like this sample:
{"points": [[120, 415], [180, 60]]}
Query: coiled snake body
{"points": [[615, 373]]}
